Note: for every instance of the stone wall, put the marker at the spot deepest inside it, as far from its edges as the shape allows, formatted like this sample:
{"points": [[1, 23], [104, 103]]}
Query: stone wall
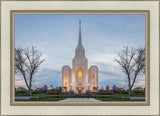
{"points": [[66, 71]]}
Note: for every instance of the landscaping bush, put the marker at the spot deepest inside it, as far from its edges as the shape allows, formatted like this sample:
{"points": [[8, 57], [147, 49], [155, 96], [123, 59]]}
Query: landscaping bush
{"points": [[52, 92], [71, 91], [125, 92], [137, 90], [88, 91], [105, 93], [21, 91], [109, 93]]}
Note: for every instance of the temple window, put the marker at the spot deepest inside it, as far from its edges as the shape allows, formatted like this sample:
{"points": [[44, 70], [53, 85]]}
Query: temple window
{"points": [[79, 74], [93, 76], [93, 83], [65, 83], [65, 76], [79, 52], [80, 83]]}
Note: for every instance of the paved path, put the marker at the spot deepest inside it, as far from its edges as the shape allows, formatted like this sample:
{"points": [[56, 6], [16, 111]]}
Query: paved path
{"points": [[23, 97], [136, 98], [80, 100]]}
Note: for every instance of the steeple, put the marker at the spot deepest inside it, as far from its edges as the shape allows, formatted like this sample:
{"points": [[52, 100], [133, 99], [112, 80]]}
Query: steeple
{"points": [[80, 51], [80, 38]]}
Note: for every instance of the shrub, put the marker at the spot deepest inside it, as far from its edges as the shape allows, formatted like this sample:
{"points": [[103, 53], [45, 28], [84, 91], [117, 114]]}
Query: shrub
{"points": [[138, 90], [53, 92], [71, 91], [21, 90], [105, 93], [88, 91], [125, 92], [109, 93]]}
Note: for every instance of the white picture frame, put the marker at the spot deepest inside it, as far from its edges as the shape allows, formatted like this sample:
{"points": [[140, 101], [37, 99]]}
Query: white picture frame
{"points": [[8, 109]]}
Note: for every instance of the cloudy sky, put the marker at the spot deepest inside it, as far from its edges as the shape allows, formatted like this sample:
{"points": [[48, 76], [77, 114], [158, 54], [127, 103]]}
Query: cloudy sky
{"points": [[56, 36]]}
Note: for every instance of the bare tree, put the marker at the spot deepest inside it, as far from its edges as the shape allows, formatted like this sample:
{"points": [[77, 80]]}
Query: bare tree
{"points": [[27, 63], [132, 63]]}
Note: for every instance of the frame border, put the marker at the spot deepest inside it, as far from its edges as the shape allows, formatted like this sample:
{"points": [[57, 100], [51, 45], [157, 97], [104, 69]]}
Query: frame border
{"points": [[81, 0]]}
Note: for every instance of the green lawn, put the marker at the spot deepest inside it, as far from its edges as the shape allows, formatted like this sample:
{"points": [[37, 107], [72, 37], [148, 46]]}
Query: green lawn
{"points": [[55, 99], [104, 99], [26, 94], [120, 94], [58, 99]]}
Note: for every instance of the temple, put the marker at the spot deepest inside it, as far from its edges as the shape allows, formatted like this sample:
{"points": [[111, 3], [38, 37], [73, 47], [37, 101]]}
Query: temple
{"points": [[79, 78]]}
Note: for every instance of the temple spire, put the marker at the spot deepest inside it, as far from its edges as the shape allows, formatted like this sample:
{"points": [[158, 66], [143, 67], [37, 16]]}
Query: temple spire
{"points": [[80, 38], [80, 51]]}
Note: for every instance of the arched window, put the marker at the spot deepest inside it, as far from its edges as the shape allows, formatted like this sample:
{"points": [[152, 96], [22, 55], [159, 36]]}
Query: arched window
{"points": [[93, 76], [65, 83], [79, 74], [93, 83], [65, 76]]}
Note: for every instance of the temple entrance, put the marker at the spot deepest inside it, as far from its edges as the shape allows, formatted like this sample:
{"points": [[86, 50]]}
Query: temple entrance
{"points": [[80, 90], [65, 89]]}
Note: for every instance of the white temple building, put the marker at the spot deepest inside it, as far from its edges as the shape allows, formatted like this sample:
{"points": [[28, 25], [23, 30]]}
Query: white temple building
{"points": [[79, 78]]}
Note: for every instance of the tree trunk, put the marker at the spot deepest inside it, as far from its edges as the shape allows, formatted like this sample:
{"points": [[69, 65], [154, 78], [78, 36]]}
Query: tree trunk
{"points": [[130, 91], [30, 91]]}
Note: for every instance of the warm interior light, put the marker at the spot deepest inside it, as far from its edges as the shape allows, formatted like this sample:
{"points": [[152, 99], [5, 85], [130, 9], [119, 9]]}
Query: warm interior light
{"points": [[79, 74], [65, 76], [79, 52], [65, 83], [65, 89], [93, 83], [94, 89], [93, 76], [80, 83]]}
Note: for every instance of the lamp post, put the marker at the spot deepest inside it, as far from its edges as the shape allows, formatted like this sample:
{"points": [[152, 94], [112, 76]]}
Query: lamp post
{"points": [[88, 86]]}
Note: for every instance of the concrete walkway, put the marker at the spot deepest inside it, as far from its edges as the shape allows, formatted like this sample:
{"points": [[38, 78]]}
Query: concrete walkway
{"points": [[23, 97], [80, 100], [136, 98]]}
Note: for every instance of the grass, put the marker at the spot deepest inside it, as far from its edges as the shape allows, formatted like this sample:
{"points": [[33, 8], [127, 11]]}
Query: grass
{"points": [[45, 94], [104, 99], [56, 99], [133, 95], [33, 94]]}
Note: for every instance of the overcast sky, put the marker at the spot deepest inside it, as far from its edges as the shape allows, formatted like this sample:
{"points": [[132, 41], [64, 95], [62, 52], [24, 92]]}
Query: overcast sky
{"points": [[56, 36]]}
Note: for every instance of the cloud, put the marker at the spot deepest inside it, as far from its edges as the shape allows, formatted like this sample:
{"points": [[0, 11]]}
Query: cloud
{"points": [[44, 77], [102, 57], [18, 83], [136, 84], [140, 83], [48, 77]]}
